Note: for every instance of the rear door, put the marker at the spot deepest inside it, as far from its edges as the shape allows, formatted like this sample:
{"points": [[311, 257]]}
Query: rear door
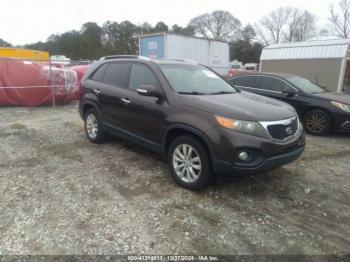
{"points": [[247, 83], [111, 93]]}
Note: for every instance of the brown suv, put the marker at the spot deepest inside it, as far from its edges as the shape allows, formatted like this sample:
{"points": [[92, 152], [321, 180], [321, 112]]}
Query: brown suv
{"points": [[189, 114]]}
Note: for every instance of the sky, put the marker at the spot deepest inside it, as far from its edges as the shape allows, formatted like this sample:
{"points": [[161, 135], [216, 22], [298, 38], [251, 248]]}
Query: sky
{"points": [[29, 21]]}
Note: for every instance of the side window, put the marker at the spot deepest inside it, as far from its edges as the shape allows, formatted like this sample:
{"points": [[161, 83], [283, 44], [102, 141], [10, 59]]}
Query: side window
{"points": [[141, 75], [116, 74], [246, 81], [274, 84], [99, 73]]}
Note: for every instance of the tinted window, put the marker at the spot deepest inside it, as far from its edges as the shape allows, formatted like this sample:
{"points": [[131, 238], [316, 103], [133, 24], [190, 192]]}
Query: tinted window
{"points": [[116, 74], [99, 73], [194, 79], [141, 75], [274, 84], [246, 81]]}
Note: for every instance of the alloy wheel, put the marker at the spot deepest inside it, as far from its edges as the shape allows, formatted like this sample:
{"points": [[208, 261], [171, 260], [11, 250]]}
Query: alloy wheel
{"points": [[187, 163], [92, 126], [316, 122]]}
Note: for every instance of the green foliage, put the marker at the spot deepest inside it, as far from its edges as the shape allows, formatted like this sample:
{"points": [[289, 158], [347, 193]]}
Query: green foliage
{"points": [[244, 49], [3, 43], [188, 30], [93, 41]]}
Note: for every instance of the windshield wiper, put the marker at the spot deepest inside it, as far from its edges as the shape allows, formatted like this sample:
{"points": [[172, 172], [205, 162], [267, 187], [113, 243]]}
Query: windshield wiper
{"points": [[222, 93], [192, 93]]}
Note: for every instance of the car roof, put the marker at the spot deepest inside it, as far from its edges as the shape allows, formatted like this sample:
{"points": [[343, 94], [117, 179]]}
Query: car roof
{"points": [[132, 58], [281, 75]]}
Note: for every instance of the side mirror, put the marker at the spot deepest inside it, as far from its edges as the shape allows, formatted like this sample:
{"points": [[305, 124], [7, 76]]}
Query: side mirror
{"points": [[149, 90], [323, 87], [290, 92]]}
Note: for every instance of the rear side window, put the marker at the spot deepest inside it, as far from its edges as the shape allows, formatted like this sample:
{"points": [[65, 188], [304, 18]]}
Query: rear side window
{"points": [[273, 84], [116, 74], [246, 81], [141, 75], [99, 73]]}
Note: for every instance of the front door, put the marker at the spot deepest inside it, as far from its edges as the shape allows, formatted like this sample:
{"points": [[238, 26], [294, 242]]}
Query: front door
{"points": [[146, 115]]}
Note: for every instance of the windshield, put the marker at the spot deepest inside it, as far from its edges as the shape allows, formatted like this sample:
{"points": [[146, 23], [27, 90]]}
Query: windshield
{"points": [[305, 85], [195, 79]]}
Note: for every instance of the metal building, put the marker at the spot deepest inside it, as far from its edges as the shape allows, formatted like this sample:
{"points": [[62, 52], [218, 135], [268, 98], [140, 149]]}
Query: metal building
{"points": [[324, 62], [212, 53]]}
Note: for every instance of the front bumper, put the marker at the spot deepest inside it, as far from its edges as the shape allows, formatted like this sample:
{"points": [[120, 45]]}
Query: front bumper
{"points": [[269, 154], [226, 168], [341, 122]]}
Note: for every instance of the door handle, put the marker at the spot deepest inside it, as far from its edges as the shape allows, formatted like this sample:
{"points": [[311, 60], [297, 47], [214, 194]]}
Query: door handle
{"points": [[126, 101], [97, 91]]}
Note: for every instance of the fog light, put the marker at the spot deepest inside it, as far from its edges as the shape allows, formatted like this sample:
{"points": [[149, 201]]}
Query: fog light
{"points": [[244, 156]]}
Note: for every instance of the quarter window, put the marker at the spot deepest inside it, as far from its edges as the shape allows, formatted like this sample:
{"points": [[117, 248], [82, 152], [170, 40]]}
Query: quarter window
{"points": [[116, 74], [99, 73], [141, 75]]}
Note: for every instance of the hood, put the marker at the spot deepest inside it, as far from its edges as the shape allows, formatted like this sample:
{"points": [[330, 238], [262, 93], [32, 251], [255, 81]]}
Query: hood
{"points": [[242, 106], [338, 97]]}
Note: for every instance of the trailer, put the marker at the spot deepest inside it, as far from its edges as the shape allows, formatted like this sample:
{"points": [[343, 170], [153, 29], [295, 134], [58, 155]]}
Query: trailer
{"points": [[20, 53], [212, 53], [326, 62]]}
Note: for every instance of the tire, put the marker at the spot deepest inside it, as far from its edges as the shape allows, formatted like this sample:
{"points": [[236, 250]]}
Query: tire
{"points": [[196, 174], [93, 127], [317, 122]]}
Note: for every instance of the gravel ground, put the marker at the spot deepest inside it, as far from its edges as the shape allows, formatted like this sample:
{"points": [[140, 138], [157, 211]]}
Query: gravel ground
{"points": [[61, 194]]}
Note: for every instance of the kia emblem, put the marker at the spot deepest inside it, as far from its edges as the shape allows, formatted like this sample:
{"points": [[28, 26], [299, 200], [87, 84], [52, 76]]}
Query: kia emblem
{"points": [[289, 131]]}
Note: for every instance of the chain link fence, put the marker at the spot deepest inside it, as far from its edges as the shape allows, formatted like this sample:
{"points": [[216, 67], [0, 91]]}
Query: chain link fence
{"points": [[25, 82]]}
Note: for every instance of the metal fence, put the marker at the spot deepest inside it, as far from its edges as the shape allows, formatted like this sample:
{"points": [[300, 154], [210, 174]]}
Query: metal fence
{"points": [[26, 82]]}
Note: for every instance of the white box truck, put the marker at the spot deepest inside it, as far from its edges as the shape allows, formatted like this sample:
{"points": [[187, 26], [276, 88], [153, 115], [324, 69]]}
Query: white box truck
{"points": [[212, 53]]}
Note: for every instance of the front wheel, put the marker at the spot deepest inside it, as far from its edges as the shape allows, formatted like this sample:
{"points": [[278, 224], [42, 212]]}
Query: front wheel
{"points": [[189, 163], [317, 122]]}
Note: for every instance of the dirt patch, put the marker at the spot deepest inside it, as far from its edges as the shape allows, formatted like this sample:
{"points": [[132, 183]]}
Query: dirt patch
{"points": [[17, 126]]}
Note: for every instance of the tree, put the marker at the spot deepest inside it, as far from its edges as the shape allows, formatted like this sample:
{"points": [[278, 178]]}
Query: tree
{"points": [[301, 25], [161, 27], [188, 30], [270, 28], [219, 25], [286, 24], [248, 33], [340, 20], [91, 40], [146, 28], [127, 42], [3, 43], [244, 49], [306, 29], [245, 52]]}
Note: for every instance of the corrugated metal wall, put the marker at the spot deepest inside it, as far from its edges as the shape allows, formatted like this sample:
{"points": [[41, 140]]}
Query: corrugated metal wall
{"points": [[306, 50]]}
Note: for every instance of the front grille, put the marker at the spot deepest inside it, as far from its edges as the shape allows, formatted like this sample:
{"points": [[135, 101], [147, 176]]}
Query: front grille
{"points": [[283, 131]]}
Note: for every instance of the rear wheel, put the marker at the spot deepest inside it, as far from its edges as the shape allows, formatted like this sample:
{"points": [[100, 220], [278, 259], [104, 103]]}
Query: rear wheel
{"points": [[93, 127], [317, 122], [189, 163]]}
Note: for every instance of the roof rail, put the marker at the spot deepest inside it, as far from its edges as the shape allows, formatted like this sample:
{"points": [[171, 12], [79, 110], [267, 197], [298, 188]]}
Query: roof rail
{"points": [[184, 60], [124, 57]]}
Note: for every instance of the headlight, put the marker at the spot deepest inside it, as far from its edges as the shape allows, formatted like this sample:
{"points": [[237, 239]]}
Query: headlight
{"points": [[341, 106], [247, 127]]}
